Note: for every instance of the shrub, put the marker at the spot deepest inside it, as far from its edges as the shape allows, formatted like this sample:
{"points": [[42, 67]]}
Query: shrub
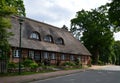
{"points": [[41, 64], [27, 62], [33, 65], [100, 62], [69, 64], [12, 65], [77, 61]]}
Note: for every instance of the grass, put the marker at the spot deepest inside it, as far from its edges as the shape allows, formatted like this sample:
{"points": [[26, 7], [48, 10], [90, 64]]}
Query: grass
{"points": [[30, 73], [24, 73]]}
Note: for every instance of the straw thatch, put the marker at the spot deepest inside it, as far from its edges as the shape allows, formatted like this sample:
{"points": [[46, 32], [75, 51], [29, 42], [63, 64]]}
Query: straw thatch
{"points": [[71, 45]]}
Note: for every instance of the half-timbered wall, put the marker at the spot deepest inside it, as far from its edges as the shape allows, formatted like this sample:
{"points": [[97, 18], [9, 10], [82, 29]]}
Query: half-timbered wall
{"points": [[54, 57]]}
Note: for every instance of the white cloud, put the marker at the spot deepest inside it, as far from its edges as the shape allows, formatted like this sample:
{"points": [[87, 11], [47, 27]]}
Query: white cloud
{"points": [[60, 12]]}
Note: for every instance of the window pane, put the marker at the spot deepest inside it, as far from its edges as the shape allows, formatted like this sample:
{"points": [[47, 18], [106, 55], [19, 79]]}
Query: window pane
{"points": [[45, 54], [71, 57], [16, 53], [52, 56], [34, 36], [37, 56], [48, 38], [31, 54], [62, 57], [59, 41]]}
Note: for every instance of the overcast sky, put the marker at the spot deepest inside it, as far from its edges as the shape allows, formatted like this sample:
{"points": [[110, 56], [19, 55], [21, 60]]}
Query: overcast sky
{"points": [[59, 12]]}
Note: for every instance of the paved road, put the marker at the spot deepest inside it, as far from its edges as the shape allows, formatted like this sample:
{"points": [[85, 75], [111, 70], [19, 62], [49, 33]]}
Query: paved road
{"points": [[108, 74], [86, 77], [111, 68]]}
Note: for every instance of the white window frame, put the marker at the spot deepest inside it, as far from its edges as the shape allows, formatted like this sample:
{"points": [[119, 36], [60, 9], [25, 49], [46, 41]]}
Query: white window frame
{"points": [[16, 53], [34, 36]]}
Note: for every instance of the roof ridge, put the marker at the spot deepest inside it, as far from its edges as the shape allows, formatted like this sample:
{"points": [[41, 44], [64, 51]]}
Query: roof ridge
{"points": [[52, 26]]}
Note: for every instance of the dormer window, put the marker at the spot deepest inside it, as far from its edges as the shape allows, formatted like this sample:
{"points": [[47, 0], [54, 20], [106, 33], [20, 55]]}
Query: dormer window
{"points": [[35, 35], [60, 41], [48, 38]]}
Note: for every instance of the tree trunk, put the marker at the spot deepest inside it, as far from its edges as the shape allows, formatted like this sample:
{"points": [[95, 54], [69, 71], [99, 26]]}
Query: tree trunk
{"points": [[96, 57]]}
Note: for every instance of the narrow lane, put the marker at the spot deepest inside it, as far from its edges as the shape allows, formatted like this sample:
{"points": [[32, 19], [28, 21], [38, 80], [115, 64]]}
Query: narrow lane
{"points": [[90, 76]]}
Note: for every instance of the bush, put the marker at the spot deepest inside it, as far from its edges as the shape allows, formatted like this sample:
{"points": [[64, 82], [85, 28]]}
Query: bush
{"points": [[27, 62], [33, 65], [100, 62], [41, 64], [69, 64], [77, 61], [12, 65]]}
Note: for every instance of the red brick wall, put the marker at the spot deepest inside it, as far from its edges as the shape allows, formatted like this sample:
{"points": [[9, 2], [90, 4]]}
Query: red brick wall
{"points": [[84, 59]]}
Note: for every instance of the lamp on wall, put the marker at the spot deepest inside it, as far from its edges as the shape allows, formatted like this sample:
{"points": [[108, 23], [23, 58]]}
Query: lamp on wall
{"points": [[20, 50]]}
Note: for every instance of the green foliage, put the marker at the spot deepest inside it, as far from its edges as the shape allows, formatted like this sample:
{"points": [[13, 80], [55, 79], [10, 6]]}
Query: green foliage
{"points": [[77, 61], [69, 64], [100, 62], [30, 63], [117, 52], [12, 65], [93, 28], [27, 62], [8, 8], [4, 35], [17, 5], [33, 65], [114, 12]]}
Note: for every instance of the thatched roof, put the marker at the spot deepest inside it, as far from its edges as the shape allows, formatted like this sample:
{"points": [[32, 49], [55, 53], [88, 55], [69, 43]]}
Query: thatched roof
{"points": [[71, 45]]}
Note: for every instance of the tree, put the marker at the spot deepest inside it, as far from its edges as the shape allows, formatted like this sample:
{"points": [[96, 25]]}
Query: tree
{"points": [[17, 5], [114, 12], [93, 29], [8, 8], [117, 52], [65, 27]]}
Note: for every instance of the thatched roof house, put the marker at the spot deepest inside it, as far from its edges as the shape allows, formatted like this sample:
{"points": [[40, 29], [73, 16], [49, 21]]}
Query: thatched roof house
{"points": [[44, 37]]}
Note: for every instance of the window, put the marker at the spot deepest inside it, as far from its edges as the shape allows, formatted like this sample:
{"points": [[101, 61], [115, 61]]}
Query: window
{"points": [[45, 55], [37, 55], [60, 41], [35, 35], [48, 38], [16, 53], [62, 57], [52, 56], [79, 58], [31, 54], [72, 57]]}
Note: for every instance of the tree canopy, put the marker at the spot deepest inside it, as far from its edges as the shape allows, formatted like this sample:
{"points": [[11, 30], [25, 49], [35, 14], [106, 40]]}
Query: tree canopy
{"points": [[8, 8], [114, 12], [117, 52], [94, 29]]}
